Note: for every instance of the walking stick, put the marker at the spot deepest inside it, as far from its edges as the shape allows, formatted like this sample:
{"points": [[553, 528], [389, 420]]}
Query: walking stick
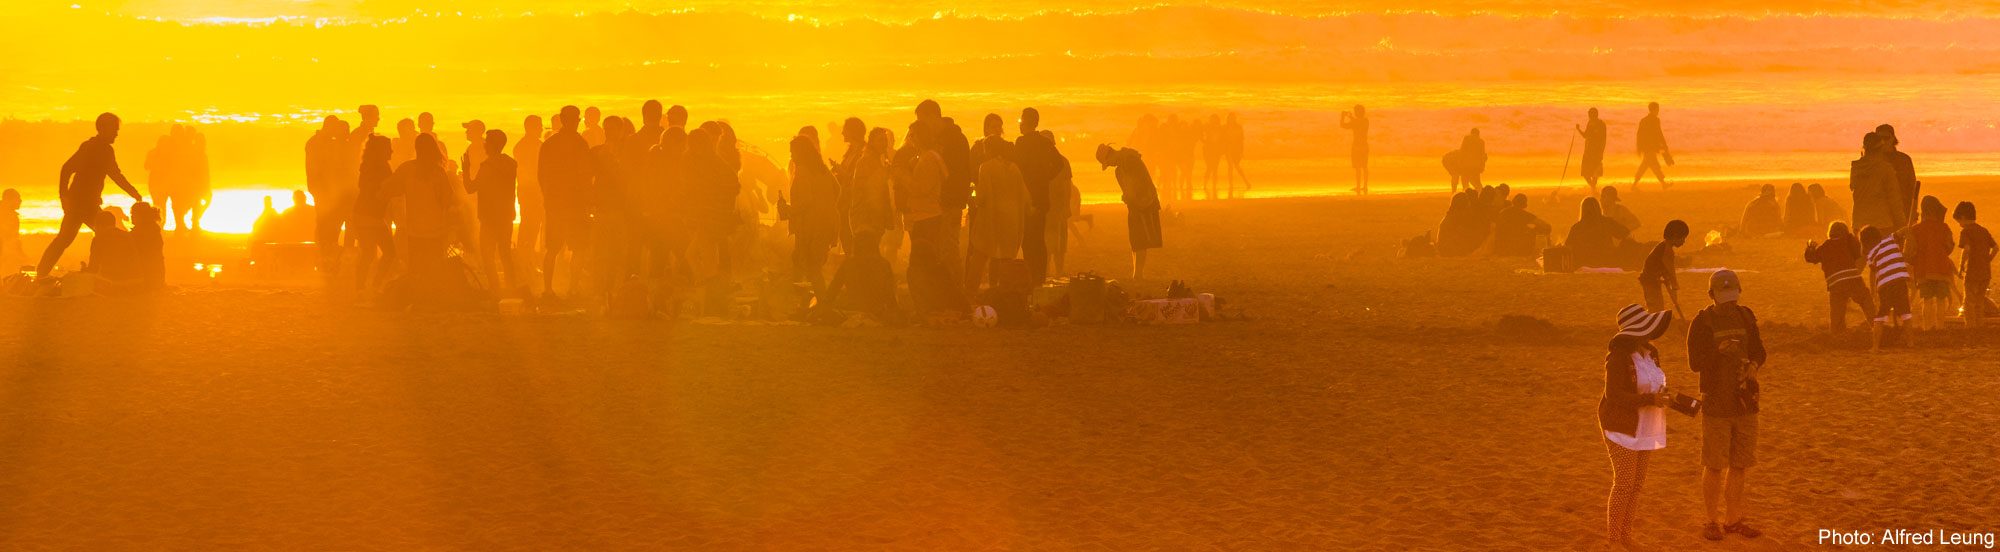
{"points": [[1565, 174]]}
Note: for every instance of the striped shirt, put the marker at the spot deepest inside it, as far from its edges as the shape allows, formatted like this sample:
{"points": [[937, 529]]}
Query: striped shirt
{"points": [[1886, 260]]}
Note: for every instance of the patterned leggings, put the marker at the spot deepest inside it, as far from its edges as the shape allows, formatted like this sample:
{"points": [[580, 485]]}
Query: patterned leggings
{"points": [[1628, 473]]}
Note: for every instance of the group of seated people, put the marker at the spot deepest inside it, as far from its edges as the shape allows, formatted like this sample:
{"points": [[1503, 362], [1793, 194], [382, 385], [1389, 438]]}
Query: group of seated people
{"points": [[293, 225], [127, 260], [1486, 221], [1805, 211]]}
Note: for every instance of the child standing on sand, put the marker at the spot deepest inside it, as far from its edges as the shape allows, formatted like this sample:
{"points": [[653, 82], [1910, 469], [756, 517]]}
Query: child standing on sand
{"points": [[1977, 263], [1930, 262], [1656, 279], [1891, 280], [1840, 259], [1630, 413]]}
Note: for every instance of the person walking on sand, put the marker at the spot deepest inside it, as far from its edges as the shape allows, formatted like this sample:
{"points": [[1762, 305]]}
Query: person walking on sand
{"points": [[1890, 277], [1657, 281], [1357, 122], [1725, 347], [1142, 202], [1631, 413], [81, 187], [1878, 201], [1593, 134], [1652, 148], [1839, 258]]}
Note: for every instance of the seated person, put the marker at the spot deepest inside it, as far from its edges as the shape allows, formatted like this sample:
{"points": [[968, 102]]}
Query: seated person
{"points": [[111, 253], [1763, 216], [1596, 240], [1801, 215], [1515, 230], [1616, 210]]}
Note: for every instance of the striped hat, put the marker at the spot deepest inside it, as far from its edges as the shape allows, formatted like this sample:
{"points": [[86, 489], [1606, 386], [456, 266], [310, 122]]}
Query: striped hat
{"points": [[1633, 320]]}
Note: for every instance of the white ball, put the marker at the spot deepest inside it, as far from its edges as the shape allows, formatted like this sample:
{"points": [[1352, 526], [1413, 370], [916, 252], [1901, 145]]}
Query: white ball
{"points": [[985, 317]]}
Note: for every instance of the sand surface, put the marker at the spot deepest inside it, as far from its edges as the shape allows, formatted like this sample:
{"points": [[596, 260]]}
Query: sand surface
{"points": [[1367, 405]]}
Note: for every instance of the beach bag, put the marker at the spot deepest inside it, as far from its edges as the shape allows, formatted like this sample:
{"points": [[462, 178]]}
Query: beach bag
{"points": [[1558, 259], [1087, 302]]}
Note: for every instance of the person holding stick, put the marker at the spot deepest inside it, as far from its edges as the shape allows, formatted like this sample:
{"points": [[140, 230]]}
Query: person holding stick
{"points": [[1593, 150]]}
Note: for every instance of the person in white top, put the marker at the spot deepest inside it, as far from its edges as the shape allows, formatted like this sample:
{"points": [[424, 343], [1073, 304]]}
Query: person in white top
{"points": [[1631, 413]]}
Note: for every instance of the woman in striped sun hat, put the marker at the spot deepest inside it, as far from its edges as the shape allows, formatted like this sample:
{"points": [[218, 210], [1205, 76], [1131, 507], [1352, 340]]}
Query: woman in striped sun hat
{"points": [[1631, 415]]}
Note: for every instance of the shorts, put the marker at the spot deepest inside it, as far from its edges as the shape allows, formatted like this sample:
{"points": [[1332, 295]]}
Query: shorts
{"points": [[1729, 442], [1143, 227], [1893, 300], [1934, 289]]}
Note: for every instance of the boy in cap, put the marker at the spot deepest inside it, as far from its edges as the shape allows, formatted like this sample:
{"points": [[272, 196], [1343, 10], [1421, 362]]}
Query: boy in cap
{"points": [[1725, 347]]}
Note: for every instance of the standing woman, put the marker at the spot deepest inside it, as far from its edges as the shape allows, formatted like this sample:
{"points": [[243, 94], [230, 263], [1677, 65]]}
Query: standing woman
{"points": [[869, 216], [1631, 413], [429, 204], [1142, 202], [1003, 210], [371, 214], [815, 212]]}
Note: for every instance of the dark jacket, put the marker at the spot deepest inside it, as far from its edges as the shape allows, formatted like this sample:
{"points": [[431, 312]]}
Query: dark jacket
{"points": [[1723, 392], [959, 170], [1618, 409]]}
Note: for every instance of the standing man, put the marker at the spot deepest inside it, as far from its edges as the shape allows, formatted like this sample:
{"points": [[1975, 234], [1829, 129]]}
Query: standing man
{"points": [[1652, 147], [1725, 347], [564, 170], [81, 187], [528, 189], [1039, 162], [1593, 150], [494, 187], [956, 152], [1357, 122], [1906, 172]]}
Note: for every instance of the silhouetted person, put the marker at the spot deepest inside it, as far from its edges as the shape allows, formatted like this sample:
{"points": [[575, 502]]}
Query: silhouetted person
{"points": [[1594, 138], [1515, 229], [1142, 202], [427, 126], [528, 189], [81, 187], [1039, 161], [111, 254], [1764, 215], [613, 217], [956, 152], [299, 219], [1595, 239], [494, 188], [371, 214], [1357, 122], [564, 172], [326, 162], [1062, 205], [269, 226], [1211, 156], [1801, 215], [1003, 204], [593, 127], [1878, 199], [163, 172], [1826, 208], [712, 188], [1468, 162], [855, 133], [405, 144], [920, 174], [1906, 171], [815, 213], [865, 278], [429, 204], [1652, 148], [1615, 209], [1232, 152], [148, 249]]}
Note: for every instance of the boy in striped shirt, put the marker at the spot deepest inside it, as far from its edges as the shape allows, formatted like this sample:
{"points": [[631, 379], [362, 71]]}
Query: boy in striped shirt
{"points": [[1891, 279]]}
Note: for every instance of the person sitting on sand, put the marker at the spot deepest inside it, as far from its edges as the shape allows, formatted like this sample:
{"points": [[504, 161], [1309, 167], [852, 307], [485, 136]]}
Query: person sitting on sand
{"points": [[148, 248], [1142, 202], [1631, 412], [298, 220], [1657, 282], [1763, 215], [111, 252], [1977, 263], [1726, 348], [265, 228], [1930, 262], [1873, 181], [1825, 208], [1891, 280], [1460, 233], [1515, 230], [1595, 239], [1839, 258], [1615, 209], [1801, 216]]}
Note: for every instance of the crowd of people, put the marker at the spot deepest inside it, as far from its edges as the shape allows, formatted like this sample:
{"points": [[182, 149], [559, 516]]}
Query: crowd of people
{"points": [[1173, 144], [663, 204], [177, 176]]}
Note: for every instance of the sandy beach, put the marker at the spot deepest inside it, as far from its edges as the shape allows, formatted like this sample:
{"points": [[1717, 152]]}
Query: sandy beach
{"points": [[1368, 403]]}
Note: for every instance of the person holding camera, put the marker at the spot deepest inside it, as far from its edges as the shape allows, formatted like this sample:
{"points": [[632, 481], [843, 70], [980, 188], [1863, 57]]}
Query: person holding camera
{"points": [[1725, 347], [1631, 414]]}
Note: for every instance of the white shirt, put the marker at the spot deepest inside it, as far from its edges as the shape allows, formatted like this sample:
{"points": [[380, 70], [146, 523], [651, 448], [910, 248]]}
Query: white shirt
{"points": [[1651, 433]]}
